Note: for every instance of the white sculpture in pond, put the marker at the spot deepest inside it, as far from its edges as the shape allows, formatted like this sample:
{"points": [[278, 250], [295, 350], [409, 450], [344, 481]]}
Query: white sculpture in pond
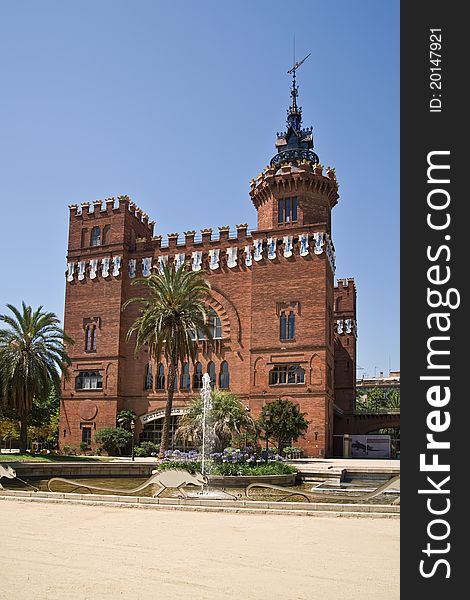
{"points": [[174, 478], [7, 472]]}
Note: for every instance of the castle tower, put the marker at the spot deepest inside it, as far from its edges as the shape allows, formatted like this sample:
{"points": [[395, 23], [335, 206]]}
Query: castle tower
{"points": [[294, 199], [101, 238]]}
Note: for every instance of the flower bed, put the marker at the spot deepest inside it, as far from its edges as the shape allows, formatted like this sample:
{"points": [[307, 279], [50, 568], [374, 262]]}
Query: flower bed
{"points": [[232, 462]]}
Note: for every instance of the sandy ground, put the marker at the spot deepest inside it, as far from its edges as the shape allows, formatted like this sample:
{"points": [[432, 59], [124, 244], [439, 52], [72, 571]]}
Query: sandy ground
{"points": [[57, 551]]}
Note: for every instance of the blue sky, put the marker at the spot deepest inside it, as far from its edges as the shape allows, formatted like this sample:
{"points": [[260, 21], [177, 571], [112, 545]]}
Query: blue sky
{"points": [[177, 105]]}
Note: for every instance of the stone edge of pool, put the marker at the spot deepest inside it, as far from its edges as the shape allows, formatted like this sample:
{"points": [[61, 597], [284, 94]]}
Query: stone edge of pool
{"points": [[194, 504]]}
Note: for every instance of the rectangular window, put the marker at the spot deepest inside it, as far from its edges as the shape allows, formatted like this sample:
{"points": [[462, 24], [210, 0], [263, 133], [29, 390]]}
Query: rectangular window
{"points": [[287, 211], [86, 436], [286, 375]]}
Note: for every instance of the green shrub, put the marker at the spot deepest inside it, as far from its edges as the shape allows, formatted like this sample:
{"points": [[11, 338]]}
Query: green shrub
{"points": [[113, 439], [147, 449], [69, 450]]}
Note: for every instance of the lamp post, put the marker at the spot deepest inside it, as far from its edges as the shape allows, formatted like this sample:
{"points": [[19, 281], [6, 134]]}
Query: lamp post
{"points": [[247, 408], [267, 420], [132, 440]]}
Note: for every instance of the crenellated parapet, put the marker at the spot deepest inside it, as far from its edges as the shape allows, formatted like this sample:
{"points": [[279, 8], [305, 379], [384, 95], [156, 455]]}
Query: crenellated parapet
{"points": [[291, 178], [240, 253], [109, 207], [345, 283]]}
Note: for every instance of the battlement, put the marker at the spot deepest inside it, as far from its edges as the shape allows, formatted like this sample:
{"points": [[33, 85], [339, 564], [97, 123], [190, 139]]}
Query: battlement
{"points": [[206, 236], [345, 282], [275, 174], [111, 206]]}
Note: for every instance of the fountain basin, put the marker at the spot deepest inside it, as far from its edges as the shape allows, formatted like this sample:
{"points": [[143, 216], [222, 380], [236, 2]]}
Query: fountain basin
{"points": [[241, 481]]}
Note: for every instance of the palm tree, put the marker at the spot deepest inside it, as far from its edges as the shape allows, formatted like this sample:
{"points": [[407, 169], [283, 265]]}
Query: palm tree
{"points": [[228, 417], [171, 318], [32, 359], [125, 418]]}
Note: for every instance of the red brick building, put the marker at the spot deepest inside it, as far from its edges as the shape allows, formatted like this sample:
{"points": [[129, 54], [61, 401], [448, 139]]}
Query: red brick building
{"points": [[281, 327]]}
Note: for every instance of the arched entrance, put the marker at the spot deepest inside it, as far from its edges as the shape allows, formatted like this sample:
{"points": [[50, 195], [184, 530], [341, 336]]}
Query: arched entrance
{"points": [[153, 426]]}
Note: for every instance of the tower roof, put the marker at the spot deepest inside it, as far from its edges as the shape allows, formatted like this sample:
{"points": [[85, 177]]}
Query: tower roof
{"points": [[295, 143]]}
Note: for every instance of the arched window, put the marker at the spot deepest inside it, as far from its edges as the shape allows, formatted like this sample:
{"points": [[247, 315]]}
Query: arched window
{"points": [[291, 326], [224, 376], [148, 378], [161, 377], [96, 236], [105, 239], [283, 326], [212, 375], [287, 325], [90, 338], [215, 325], [185, 379], [338, 304], [197, 382], [89, 380]]}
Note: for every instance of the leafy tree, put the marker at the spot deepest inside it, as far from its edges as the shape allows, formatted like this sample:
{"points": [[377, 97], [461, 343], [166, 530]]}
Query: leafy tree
{"points": [[125, 418], [113, 439], [32, 359], [377, 399], [284, 423], [227, 418], [171, 316]]}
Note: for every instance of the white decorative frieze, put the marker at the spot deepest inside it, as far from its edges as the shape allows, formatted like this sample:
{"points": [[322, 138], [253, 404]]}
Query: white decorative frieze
{"points": [[81, 270], [330, 253], [93, 268], [319, 242], [303, 239], [288, 245], [116, 265], [258, 250], [349, 325], [339, 323], [272, 246], [70, 270], [132, 268], [214, 257], [196, 262], [232, 257], [105, 267], [248, 256], [162, 262], [146, 266], [179, 260]]}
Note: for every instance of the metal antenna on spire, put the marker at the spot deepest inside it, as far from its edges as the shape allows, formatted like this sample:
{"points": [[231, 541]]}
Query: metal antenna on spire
{"points": [[295, 90], [297, 64]]}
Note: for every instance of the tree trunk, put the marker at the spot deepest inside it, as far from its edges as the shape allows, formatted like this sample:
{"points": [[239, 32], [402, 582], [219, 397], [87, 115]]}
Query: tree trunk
{"points": [[23, 435], [169, 402]]}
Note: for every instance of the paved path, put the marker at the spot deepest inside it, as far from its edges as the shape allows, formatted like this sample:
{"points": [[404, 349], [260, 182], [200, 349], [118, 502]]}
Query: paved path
{"points": [[56, 551]]}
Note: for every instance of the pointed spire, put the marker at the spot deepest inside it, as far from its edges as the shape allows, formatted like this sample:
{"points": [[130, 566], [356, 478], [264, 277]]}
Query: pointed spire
{"points": [[295, 144]]}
